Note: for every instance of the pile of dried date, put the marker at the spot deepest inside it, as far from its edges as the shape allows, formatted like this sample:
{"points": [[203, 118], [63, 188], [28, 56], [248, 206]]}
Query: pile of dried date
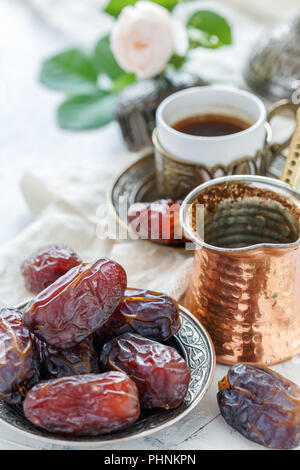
{"points": [[87, 352]]}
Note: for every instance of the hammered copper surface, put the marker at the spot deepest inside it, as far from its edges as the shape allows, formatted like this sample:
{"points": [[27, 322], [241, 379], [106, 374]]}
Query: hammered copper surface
{"points": [[245, 283]]}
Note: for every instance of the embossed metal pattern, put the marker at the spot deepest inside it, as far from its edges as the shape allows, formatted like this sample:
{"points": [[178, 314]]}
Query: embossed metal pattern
{"points": [[245, 283], [177, 177], [192, 341]]}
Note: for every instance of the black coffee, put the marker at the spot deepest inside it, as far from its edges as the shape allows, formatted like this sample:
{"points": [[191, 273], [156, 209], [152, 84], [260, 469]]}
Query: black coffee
{"points": [[211, 125]]}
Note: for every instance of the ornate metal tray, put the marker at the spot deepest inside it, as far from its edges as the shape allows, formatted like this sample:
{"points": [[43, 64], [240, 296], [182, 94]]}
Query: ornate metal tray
{"points": [[193, 343]]}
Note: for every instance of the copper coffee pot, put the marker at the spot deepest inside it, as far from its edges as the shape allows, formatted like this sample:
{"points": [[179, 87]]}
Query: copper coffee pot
{"points": [[245, 287]]}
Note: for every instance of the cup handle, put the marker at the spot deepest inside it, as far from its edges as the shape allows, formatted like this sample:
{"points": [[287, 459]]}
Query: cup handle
{"points": [[275, 110], [291, 171]]}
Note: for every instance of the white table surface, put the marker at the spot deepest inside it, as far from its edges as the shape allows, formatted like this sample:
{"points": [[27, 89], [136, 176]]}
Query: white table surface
{"points": [[29, 139]]}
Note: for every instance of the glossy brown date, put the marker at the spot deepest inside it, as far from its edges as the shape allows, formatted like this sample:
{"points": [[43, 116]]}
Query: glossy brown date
{"points": [[160, 373], [77, 304], [84, 405], [19, 366], [82, 359], [262, 405], [157, 221], [42, 268], [150, 314]]}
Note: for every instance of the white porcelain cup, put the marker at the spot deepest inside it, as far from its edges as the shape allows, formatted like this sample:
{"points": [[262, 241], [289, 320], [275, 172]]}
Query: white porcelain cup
{"points": [[211, 100]]}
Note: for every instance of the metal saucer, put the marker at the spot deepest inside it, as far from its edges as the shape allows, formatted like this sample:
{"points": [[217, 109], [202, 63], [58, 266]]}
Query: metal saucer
{"points": [[193, 343], [135, 183]]}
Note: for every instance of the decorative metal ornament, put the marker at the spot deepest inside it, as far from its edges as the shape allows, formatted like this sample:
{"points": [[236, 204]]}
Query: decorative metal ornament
{"points": [[137, 106], [273, 68]]}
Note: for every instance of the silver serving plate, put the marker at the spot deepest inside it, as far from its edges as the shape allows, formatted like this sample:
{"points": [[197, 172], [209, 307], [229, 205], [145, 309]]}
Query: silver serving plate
{"points": [[273, 68], [193, 343]]}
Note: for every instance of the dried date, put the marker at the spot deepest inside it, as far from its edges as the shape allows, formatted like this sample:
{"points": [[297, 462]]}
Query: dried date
{"points": [[262, 405], [150, 314], [160, 373], [19, 365], [82, 359], [77, 304], [84, 405], [42, 268], [158, 221]]}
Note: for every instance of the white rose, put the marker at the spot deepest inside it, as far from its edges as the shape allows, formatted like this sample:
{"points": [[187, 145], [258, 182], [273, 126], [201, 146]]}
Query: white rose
{"points": [[144, 38]]}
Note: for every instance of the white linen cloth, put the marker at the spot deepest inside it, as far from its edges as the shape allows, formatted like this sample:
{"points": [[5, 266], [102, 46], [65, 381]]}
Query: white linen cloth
{"points": [[64, 205]]}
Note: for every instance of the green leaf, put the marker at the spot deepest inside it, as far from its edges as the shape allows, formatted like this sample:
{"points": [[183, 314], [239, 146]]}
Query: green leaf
{"points": [[115, 7], [217, 31], [71, 71], [123, 81], [87, 111], [107, 65], [104, 60], [177, 61]]}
